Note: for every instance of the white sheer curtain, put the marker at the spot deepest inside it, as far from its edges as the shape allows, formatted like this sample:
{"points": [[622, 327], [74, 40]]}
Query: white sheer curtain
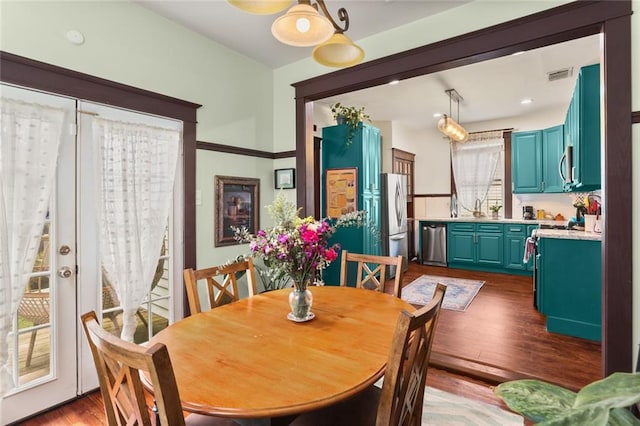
{"points": [[29, 144], [137, 163], [474, 166]]}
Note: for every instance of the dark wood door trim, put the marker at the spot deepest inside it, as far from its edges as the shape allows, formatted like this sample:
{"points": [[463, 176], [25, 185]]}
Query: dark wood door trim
{"points": [[563, 23], [635, 117], [33, 74]]}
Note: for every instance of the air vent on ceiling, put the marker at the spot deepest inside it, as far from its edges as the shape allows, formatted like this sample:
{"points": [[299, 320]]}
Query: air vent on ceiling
{"points": [[559, 74]]}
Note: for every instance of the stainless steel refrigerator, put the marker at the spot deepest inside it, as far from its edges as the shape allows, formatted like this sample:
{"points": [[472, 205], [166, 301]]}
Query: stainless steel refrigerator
{"points": [[394, 218]]}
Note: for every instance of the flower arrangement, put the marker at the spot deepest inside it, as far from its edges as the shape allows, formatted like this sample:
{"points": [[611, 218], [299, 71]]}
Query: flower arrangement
{"points": [[296, 247]]}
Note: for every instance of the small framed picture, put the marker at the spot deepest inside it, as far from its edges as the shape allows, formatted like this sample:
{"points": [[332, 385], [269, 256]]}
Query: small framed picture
{"points": [[285, 178]]}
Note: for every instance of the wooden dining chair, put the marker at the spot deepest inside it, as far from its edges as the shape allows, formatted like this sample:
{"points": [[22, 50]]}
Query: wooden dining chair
{"points": [[372, 271], [401, 398], [119, 364], [222, 283]]}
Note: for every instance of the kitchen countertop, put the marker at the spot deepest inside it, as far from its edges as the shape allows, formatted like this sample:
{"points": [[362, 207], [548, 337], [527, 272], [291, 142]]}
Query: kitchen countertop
{"points": [[485, 219], [568, 235]]}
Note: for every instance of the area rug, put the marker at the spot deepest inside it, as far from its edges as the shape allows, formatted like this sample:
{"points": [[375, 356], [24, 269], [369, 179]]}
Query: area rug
{"points": [[442, 408], [459, 295]]}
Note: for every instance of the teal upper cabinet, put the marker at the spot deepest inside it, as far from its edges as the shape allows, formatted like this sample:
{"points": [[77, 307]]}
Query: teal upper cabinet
{"points": [[583, 130], [364, 153], [535, 159], [526, 162], [552, 150]]}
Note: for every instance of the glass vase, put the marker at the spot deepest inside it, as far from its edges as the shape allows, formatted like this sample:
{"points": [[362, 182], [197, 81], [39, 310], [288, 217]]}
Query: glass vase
{"points": [[300, 301]]}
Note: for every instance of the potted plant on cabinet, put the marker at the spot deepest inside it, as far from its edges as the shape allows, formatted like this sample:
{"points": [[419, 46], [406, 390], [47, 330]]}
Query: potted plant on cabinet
{"points": [[351, 116]]}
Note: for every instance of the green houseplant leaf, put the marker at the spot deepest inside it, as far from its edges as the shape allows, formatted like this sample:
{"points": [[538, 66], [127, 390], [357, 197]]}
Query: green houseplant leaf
{"points": [[351, 116], [535, 399], [602, 402], [618, 390]]}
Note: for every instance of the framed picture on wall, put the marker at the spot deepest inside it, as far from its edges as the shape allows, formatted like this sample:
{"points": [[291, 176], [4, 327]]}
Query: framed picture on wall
{"points": [[342, 190], [237, 205], [285, 178]]}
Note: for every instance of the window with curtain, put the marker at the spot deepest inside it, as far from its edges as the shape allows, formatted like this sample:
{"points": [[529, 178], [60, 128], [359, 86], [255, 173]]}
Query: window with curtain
{"points": [[478, 170]]}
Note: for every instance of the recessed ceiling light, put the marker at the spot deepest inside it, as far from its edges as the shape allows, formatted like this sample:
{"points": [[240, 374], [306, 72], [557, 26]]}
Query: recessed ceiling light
{"points": [[518, 53], [394, 82], [526, 101], [437, 115]]}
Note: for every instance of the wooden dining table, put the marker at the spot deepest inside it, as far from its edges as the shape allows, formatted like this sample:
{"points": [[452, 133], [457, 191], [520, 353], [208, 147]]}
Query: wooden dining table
{"points": [[246, 360]]}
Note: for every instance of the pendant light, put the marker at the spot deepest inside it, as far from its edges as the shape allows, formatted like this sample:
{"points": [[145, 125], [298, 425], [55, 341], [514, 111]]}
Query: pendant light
{"points": [[339, 51], [448, 125], [261, 7], [302, 26], [306, 24]]}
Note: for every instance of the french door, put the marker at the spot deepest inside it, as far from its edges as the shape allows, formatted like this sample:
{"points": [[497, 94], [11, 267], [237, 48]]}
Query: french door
{"points": [[51, 360]]}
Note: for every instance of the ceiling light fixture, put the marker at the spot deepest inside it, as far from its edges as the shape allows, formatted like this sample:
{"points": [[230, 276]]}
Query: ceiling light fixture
{"points": [[306, 25], [448, 125], [526, 101]]}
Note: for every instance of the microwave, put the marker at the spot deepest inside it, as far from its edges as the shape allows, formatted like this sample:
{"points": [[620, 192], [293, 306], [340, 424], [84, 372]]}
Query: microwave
{"points": [[566, 166]]}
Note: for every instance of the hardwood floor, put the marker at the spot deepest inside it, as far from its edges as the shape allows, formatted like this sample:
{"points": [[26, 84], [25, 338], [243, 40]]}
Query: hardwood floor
{"points": [[499, 337], [503, 335]]}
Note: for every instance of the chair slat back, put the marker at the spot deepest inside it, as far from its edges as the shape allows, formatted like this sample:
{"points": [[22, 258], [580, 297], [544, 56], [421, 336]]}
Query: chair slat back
{"points": [[406, 373], [372, 271], [119, 364], [221, 283]]}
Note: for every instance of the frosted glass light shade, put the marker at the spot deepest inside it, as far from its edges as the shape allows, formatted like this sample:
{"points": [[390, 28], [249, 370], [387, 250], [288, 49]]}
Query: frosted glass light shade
{"points": [[338, 51], [261, 7], [302, 26], [450, 128]]}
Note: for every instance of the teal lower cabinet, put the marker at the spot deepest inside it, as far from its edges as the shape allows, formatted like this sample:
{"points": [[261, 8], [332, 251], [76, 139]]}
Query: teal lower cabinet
{"points": [[569, 286], [478, 246], [515, 237]]}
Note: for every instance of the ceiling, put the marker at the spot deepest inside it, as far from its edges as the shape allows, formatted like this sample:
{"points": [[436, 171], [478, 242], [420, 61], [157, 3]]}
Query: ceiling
{"points": [[251, 36], [491, 89]]}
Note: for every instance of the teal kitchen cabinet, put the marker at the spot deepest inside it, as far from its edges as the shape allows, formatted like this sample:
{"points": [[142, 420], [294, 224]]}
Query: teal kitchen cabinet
{"points": [[552, 150], [526, 162], [475, 244], [535, 160], [569, 286], [515, 236], [583, 130], [364, 153]]}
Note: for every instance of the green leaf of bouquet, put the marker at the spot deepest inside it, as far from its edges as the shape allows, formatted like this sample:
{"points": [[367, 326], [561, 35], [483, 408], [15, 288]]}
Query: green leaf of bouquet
{"points": [[618, 390], [534, 399]]}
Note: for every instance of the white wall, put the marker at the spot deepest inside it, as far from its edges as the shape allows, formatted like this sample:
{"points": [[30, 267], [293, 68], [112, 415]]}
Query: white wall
{"points": [[129, 44]]}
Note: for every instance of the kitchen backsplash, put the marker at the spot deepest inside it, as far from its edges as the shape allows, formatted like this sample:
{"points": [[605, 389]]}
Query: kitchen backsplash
{"points": [[552, 204]]}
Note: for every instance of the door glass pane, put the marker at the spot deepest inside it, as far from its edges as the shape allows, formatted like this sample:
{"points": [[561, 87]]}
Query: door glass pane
{"points": [[157, 301], [34, 318]]}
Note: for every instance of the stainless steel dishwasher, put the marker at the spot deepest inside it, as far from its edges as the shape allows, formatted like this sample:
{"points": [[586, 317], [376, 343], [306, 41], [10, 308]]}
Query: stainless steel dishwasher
{"points": [[434, 244]]}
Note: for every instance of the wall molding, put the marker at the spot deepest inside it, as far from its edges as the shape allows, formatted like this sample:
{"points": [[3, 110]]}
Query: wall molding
{"points": [[210, 146], [635, 117]]}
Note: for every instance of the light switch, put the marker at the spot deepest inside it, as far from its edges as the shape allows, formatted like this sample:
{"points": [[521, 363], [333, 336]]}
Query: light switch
{"points": [[198, 197]]}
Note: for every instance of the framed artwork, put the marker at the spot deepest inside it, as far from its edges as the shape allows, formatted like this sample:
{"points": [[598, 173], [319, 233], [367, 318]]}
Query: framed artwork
{"points": [[342, 191], [285, 178], [237, 204]]}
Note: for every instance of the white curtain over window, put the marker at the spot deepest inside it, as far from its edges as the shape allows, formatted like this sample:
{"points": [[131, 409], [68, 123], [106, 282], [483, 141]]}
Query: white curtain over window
{"points": [[474, 166], [29, 143], [137, 163]]}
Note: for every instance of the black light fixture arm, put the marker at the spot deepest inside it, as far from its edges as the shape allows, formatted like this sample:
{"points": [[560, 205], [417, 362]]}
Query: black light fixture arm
{"points": [[343, 16]]}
